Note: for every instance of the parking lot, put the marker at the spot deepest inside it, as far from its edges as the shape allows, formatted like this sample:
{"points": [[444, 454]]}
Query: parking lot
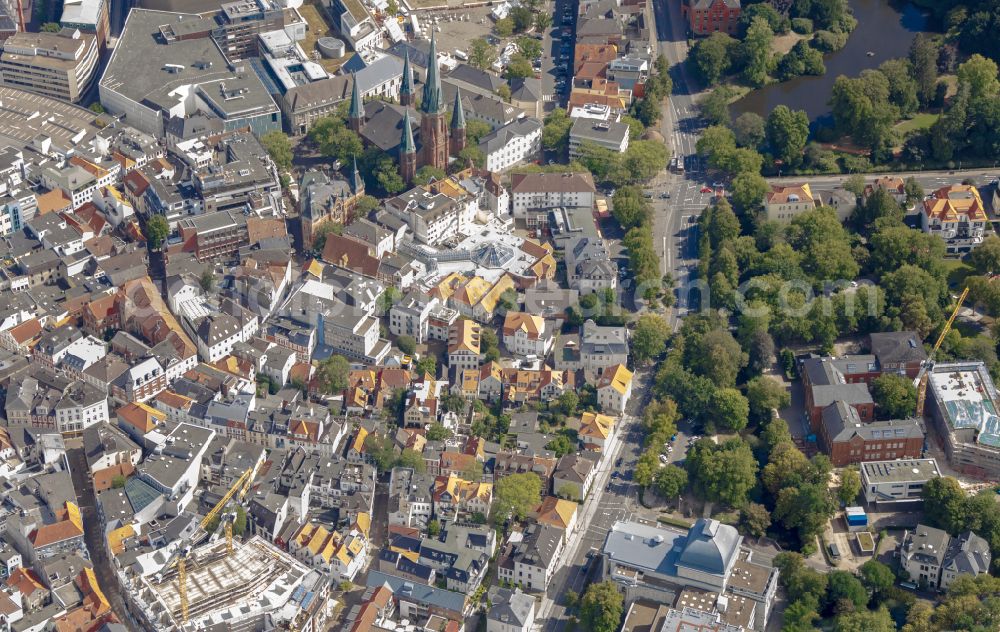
{"points": [[455, 29]]}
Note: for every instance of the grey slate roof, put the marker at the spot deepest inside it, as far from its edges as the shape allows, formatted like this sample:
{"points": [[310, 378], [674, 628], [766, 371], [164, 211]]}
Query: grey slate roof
{"points": [[849, 393], [475, 77], [895, 347], [597, 339], [384, 125], [926, 544], [215, 328], [407, 590], [969, 554], [498, 139], [380, 71], [511, 607], [842, 422]]}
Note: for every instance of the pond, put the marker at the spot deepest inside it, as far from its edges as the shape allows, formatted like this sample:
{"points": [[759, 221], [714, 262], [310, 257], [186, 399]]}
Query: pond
{"points": [[885, 31]]}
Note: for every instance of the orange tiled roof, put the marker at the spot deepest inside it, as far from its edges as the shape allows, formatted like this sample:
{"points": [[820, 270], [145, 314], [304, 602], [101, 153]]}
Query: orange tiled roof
{"points": [[25, 581], [952, 203], [103, 478], [174, 400], [142, 417], [53, 201], [26, 331], [782, 195], [56, 532], [530, 324], [259, 228], [556, 512]]}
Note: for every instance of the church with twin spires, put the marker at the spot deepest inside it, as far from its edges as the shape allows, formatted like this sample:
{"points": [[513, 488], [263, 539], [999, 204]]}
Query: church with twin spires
{"points": [[435, 139]]}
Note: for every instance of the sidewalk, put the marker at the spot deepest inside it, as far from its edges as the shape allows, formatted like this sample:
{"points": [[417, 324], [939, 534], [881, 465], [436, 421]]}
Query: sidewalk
{"points": [[590, 507]]}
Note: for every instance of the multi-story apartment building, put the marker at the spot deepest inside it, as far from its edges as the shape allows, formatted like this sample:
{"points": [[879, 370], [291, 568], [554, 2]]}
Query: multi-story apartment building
{"points": [[597, 348], [957, 215], [42, 399], [609, 135], [934, 559], [354, 335], [527, 334], [543, 191], [512, 144], [783, 203], [529, 558], [60, 65], [143, 380], [411, 316], [614, 388], [589, 267], [213, 235]]}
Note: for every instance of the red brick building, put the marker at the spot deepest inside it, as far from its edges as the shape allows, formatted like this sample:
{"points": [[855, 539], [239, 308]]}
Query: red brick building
{"points": [[708, 16], [898, 352], [826, 381], [848, 440]]}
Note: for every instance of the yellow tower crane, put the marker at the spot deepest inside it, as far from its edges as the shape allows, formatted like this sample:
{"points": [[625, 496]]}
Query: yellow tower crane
{"points": [[238, 490], [924, 375]]}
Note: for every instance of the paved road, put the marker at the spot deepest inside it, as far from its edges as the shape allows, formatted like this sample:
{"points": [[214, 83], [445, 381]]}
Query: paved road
{"points": [[93, 532], [612, 498], [929, 180], [675, 233], [551, 47]]}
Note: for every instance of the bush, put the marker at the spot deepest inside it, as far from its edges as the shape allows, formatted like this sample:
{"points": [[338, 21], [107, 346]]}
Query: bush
{"points": [[674, 522], [802, 26], [828, 41], [406, 344]]}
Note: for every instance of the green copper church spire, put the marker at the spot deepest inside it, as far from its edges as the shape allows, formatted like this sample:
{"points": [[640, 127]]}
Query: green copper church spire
{"points": [[407, 146], [357, 111], [432, 101], [457, 113], [406, 91]]}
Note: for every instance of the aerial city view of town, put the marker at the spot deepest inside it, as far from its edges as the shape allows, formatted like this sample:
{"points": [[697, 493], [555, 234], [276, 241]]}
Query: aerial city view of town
{"points": [[499, 316]]}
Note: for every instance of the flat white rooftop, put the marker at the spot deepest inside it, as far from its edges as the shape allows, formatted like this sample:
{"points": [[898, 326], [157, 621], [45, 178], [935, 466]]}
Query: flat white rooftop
{"points": [[968, 399]]}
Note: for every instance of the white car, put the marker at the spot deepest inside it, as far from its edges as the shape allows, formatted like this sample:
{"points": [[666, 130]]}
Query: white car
{"points": [[663, 458]]}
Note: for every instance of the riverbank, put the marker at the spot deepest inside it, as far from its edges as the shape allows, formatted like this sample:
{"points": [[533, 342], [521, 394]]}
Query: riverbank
{"points": [[883, 32]]}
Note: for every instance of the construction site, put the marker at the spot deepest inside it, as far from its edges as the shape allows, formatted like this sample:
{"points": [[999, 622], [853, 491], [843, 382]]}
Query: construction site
{"points": [[255, 587], [964, 409]]}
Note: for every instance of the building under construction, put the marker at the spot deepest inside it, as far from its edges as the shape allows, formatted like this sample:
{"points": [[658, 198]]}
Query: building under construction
{"points": [[256, 588], [965, 407]]}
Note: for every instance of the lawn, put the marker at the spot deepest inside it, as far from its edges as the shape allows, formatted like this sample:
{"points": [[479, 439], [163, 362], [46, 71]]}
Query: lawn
{"points": [[865, 542], [957, 271], [318, 28], [920, 121], [784, 43]]}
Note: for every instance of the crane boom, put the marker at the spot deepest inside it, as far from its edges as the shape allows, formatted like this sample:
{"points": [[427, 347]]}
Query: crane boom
{"points": [[923, 377], [239, 490]]}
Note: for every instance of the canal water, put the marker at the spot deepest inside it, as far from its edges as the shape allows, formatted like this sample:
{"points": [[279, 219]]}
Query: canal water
{"points": [[884, 29]]}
